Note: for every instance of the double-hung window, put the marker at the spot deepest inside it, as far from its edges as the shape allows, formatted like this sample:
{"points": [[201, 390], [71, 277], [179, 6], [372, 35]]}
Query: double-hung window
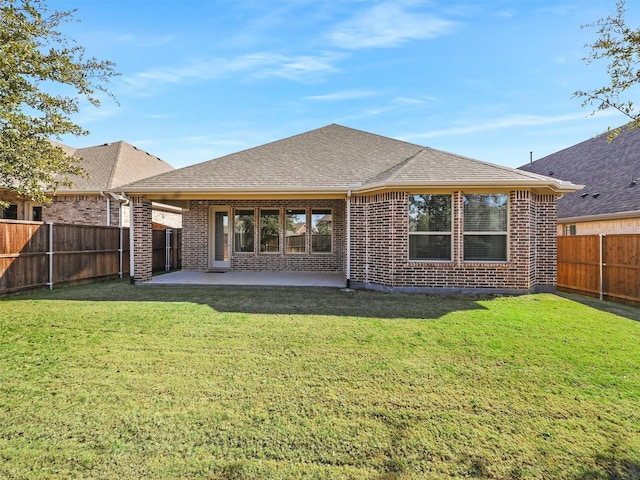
{"points": [[243, 226], [321, 230], [430, 227], [295, 232], [485, 227], [269, 231]]}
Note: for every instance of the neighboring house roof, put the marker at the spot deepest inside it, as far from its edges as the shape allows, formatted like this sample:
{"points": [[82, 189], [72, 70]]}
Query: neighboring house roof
{"points": [[610, 172], [336, 159], [111, 165]]}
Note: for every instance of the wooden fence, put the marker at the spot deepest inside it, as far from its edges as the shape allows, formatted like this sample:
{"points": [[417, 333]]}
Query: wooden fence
{"points": [[34, 255], [604, 266]]}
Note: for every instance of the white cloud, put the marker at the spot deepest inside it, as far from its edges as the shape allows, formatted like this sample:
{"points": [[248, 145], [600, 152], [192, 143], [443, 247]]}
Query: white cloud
{"points": [[388, 24], [510, 121], [344, 95], [257, 65]]}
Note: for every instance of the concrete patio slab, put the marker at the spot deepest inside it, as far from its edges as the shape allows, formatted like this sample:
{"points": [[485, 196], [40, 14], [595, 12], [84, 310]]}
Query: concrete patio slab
{"points": [[274, 279]]}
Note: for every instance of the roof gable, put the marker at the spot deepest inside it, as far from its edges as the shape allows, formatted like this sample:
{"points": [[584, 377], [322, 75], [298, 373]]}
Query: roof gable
{"points": [[111, 165], [608, 171]]}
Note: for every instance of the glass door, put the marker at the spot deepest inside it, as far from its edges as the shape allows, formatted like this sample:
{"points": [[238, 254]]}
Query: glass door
{"points": [[219, 238]]}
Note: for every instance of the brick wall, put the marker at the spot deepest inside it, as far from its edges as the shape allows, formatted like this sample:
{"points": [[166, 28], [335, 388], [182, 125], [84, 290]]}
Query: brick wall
{"points": [[379, 244], [195, 238], [380, 236], [143, 239], [81, 209]]}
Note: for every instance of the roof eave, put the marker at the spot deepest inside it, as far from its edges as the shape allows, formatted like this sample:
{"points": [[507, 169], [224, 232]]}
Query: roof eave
{"points": [[536, 186], [600, 216], [230, 193]]}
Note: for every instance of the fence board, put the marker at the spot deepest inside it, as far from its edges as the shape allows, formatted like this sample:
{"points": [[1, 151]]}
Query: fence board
{"points": [[579, 266], [81, 253]]}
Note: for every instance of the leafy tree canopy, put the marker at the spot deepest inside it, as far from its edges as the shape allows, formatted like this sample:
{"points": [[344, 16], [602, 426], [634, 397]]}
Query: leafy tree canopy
{"points": [[619, 44], [43, 77]]}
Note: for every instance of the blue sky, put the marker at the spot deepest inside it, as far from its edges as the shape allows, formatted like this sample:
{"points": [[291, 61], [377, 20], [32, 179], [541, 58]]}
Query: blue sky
{"points": [[491, 80]]}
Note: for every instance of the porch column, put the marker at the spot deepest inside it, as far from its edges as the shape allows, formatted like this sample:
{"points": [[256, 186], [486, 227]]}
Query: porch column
{"points": [[142, 239]]}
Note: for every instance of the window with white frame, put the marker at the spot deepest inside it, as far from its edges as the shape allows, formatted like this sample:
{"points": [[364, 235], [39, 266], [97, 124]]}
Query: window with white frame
{"points": [[430, 220], [295, 231], [485, 227], [269, 231], [243, 228], [321, 230]]}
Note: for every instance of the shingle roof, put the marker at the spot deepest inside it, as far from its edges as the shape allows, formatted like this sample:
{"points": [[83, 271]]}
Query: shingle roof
{"points": [[111, 165], [331, 159], [608, 171]]}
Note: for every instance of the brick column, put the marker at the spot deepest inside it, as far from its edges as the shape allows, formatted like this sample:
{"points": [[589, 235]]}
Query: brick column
{"points": [[546, 242], [142, 239]]}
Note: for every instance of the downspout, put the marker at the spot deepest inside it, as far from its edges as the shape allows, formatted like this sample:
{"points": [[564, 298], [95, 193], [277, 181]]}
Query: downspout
{"points": [[132, 263], [121, 203], [348, 273]]}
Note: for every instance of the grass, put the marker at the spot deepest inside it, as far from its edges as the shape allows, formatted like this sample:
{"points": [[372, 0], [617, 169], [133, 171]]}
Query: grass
{"points": [[112, 381]]}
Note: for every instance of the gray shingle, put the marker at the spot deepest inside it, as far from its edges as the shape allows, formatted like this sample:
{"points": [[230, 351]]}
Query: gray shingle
{"points": [[334, 158], [113, 164], [606, 169]]}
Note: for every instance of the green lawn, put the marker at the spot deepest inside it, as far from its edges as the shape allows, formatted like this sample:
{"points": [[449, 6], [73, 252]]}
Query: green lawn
{"points": [[112, 381]]}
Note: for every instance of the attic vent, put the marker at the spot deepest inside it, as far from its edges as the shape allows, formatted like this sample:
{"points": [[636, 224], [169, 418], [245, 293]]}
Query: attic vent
{"points": [[595, 195], [584, 194], [105, 144], [135, 147], [551, 172]]}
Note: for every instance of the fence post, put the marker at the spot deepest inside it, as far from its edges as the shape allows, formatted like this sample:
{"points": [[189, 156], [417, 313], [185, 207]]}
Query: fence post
{"points": [[50, 255], [601, 267], [167, 243], [120, 251]]}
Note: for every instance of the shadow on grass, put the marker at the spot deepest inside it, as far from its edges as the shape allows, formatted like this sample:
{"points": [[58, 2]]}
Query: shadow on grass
{"points": [[612, 465], [272, 300], [620, 309]]}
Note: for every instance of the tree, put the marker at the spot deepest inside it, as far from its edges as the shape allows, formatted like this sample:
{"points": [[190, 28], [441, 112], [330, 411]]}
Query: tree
{"points": [[620, 45], [43, 77]]}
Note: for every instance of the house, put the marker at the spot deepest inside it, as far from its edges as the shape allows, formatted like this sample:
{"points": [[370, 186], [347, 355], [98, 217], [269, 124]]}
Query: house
{"points": [[610, 172], [388, 214], [95, 199]]}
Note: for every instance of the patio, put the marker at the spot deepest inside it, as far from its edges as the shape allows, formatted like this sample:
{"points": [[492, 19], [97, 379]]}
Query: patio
{"points": [[272, 279]]}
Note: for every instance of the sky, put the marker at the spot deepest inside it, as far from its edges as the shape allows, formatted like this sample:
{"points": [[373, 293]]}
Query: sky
{"points": [[491, 80]]}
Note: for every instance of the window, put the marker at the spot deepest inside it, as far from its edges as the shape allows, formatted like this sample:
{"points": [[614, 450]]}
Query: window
{"points": [[485, 227], [295, 233], [243, 227], [9, 213], [269, 231], [321, 231], [570, 230], [430, 227], [36, 214]]}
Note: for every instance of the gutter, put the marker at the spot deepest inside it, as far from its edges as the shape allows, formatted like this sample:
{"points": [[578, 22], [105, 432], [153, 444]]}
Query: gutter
{"points": [[172, 193]]}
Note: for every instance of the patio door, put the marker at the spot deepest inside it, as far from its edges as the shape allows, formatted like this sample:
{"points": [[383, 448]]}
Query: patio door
{"points": [[219, 238]]}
